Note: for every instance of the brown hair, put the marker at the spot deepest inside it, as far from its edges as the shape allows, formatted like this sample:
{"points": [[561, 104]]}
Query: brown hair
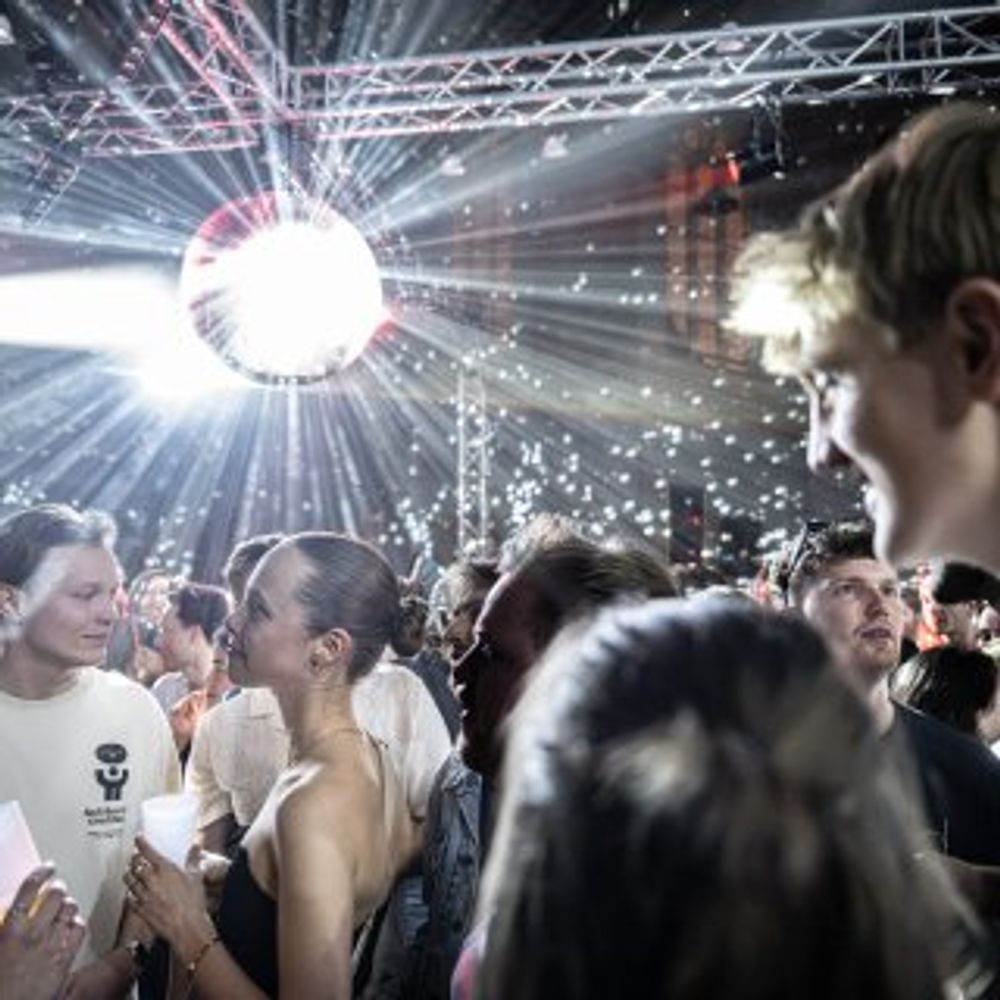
{"points": [[697, 805]]}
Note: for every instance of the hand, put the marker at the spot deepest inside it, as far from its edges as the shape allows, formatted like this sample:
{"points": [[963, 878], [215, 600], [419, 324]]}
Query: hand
{"points": [[213, 868], [39, 938], [169, 899], [107, 978]]}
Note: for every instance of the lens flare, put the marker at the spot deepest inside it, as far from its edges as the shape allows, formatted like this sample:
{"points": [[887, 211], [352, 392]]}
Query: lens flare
{"points": [[283, 291]]}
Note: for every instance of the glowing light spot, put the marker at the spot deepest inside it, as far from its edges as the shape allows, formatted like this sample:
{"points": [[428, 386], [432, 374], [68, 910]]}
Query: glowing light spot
{"points": [[282, 292]]}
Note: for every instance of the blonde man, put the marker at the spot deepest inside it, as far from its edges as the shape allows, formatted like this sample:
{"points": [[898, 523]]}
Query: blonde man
{"points": [[885, 302]]}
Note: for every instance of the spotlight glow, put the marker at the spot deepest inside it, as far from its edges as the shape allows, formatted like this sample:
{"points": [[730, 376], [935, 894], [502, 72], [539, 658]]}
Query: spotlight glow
{"points": [[282, 293]]}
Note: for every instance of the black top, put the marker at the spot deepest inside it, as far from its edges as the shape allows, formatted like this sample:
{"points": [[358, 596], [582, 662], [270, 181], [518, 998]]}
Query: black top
{"points": [[960, 778], [248, 925]]}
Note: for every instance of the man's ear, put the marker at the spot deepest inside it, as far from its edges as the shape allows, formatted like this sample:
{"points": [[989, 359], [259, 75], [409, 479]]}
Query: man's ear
{"points": [[972, 317], [330, 652]]}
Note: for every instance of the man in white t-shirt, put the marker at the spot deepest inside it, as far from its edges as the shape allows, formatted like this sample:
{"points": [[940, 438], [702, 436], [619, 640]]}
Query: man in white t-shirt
{"points": [[80, 748]]}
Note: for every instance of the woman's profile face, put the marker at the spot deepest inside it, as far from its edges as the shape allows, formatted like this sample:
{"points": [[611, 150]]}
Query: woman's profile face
{"points": [[269, 639]]}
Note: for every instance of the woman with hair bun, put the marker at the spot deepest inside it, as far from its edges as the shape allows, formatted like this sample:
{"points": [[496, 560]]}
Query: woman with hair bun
{"points": [[697, 806], [334, 833]]}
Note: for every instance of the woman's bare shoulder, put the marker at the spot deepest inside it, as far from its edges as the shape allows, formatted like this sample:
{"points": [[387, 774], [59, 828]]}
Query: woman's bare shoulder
{"points": [[326, 801]]}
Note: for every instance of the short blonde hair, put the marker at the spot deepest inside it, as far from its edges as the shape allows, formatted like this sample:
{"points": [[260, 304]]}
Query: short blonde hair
{"points": [[887, 247]]}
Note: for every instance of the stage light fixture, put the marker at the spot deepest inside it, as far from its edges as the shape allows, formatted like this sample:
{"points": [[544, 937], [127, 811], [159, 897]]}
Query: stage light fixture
{"points": [[284, 290]]}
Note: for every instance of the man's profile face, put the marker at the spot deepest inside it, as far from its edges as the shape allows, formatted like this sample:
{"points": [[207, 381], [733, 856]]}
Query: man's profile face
{"points": [[70, 605], [855, 605], [457, 636], [174, 641], [888, 415], [488, 677]]}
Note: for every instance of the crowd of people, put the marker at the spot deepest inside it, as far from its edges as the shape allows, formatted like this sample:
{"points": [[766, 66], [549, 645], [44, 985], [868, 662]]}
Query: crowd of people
{"points": [[557, 774]]}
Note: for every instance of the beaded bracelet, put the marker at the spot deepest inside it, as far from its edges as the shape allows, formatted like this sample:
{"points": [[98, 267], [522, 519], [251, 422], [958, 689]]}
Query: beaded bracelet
{"points": [[192, 966]]}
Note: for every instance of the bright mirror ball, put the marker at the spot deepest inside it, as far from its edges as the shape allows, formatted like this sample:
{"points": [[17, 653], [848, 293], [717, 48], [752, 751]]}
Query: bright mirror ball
{"points": [[283, 289]]}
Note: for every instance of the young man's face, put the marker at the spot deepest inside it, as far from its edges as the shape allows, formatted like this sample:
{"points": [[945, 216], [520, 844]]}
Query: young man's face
{"points": [[890, 416], [855, 605], [70, 606], [175, 640]]}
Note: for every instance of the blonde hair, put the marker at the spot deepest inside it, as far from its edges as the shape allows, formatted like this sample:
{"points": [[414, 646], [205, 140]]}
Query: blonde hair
{"points": [[886, 248]]}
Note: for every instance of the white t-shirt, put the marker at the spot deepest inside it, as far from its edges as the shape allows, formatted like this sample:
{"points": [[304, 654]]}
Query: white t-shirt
{"points": [[80, 764], [241, 746]]}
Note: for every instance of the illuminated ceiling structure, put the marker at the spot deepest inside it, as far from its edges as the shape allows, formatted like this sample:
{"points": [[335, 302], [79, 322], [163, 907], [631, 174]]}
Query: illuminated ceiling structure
{"points": [[205, 76], [237, 82]]}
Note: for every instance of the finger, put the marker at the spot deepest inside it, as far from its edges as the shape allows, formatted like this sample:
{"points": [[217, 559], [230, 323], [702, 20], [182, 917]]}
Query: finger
{"points": [[133, 887], [193, 861], [28, 891], [75, 933], [63, 939], [69, 912], [51, 903], [150, 853]]}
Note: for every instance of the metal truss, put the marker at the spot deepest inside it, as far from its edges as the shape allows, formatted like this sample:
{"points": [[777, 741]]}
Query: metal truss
{"points": [[473, 461], [214, 79], [814, 61]]}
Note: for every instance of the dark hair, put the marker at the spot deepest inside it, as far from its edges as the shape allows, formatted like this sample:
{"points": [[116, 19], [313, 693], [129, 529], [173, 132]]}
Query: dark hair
{"points": [[28, 536], [950, 683], [697, 805], [202, 605], [351, 586], [816, 549], [543, 531], [477, 576], [413, 609], [243, 560], [571, 578]]}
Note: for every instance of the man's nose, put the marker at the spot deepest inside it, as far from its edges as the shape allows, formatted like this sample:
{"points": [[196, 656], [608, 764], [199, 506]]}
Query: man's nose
{"points": [[877, 604]]}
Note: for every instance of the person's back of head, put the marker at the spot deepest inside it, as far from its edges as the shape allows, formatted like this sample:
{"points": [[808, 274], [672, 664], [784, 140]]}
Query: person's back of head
{"points": [[409, 637], [201, 605], [952, 684], [696, 806], [350, 585]]}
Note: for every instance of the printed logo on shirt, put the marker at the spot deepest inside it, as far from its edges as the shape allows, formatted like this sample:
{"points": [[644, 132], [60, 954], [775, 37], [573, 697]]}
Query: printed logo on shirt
{"points": [[111, 774], [106, 822]]}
